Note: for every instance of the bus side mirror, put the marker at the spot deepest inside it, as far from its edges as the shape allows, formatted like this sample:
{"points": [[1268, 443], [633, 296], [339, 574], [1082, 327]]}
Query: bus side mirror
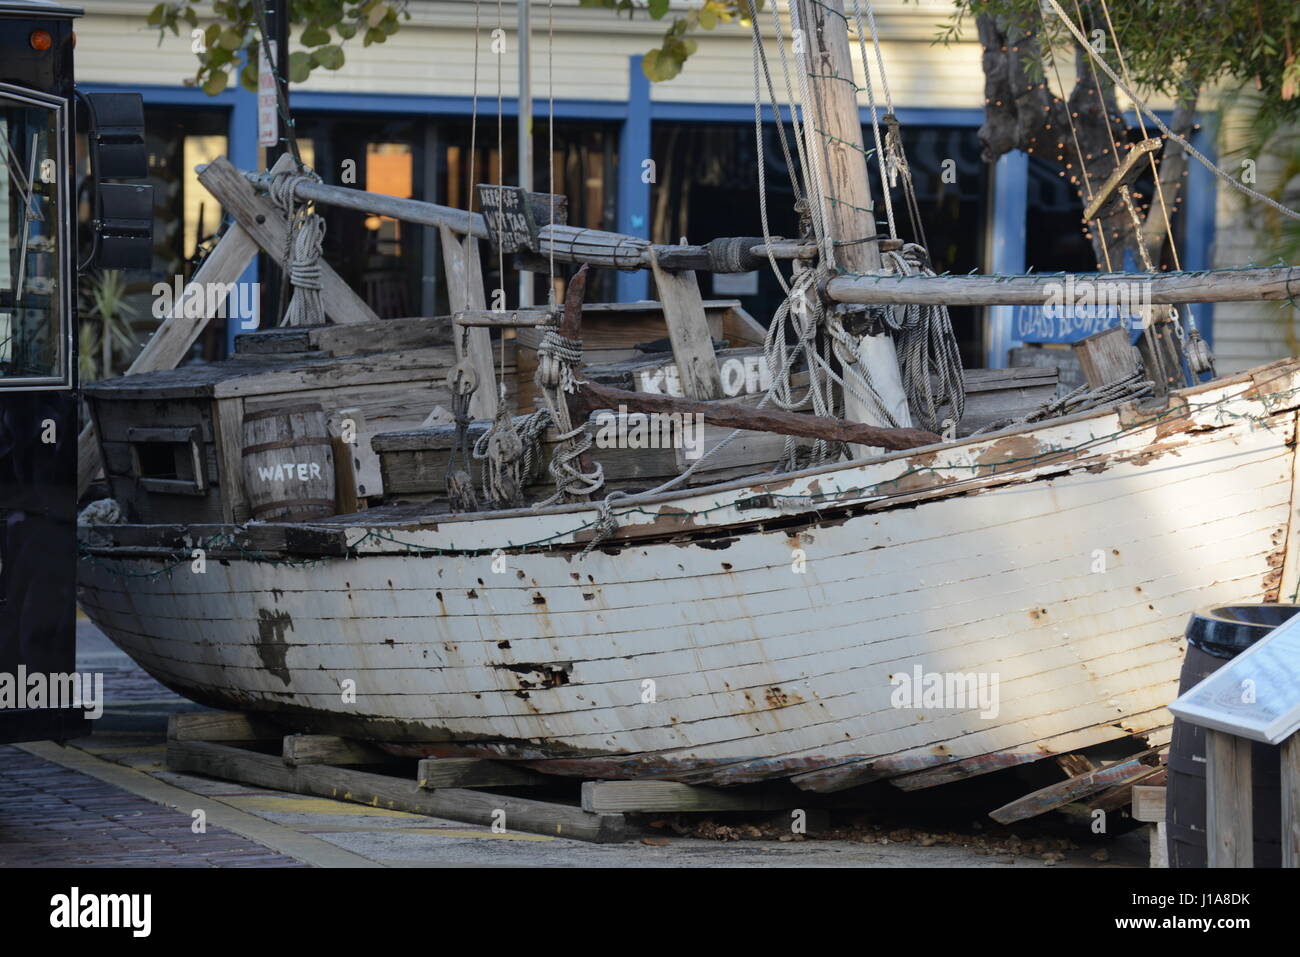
{"points": [[124, 226], [116, 135], [123, 213]]}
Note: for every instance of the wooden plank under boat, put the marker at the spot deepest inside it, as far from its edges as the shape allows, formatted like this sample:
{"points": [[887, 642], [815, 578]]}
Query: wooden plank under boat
{"points": [[747, 630]]}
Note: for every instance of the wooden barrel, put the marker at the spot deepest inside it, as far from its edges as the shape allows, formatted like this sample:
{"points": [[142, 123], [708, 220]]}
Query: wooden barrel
{"points": [[1213, 637], [288, 464]]}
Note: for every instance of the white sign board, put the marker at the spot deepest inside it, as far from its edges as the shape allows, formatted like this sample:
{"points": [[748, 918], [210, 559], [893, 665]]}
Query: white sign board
{"points": [[1256, 695], [268, 112], [740, 375]]}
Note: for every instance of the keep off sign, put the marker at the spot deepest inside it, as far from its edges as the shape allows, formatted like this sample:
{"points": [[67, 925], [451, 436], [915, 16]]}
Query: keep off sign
{"points": [[268, 114]]}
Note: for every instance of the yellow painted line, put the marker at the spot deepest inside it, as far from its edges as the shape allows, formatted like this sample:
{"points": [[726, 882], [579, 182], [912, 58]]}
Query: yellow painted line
{"points": [[283, 840], [313, 805], [435, 831]]}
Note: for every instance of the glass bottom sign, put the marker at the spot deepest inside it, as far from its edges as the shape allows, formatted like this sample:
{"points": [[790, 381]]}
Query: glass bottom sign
{"points": [[1075, 309]]}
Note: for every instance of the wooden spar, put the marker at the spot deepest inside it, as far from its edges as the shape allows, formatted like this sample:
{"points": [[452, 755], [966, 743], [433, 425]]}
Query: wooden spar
{"points": [[514, 319], [737, 416], [1124, 175], [261, 220], [834, 136], [568, 244], [1222, 285]]}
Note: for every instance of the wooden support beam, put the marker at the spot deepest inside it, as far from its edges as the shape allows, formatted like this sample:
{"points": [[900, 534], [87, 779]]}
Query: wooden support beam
{"points": [[667, 796], [1130, 168], [1107, 356], [1290, 784], [739, 416], [697, 364], [220, 726], [463, 271], [1148, 804], [172, 340], [473, 773], [1222, 285], [303, 749], [1229, 832], [266, 225], [1072, 789], [488, 319], [228, 422], [345, 427], [392, 793]]}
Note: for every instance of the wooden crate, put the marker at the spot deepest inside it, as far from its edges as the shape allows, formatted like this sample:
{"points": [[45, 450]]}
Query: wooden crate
{"points": [[195, 415]]}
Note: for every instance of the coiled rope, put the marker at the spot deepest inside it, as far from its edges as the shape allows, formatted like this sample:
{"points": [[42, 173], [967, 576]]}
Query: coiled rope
{"points": [[304, 240]]}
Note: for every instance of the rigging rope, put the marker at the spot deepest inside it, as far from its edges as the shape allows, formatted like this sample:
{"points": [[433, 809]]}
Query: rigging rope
{"points": [[1143, 108]]}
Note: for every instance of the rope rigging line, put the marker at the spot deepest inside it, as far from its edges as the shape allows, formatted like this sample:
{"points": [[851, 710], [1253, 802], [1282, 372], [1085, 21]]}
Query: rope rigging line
{"points": [[882, 158], [1142, 125], [1126, 195], [1083, 166], [1164, 128]]}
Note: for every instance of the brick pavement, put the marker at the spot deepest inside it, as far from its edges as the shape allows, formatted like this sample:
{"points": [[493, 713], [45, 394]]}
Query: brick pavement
{"points": [[51, 816]]}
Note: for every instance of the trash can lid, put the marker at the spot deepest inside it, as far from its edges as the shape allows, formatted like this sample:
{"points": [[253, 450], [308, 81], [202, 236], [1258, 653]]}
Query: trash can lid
{"points": [[1225, 631]]}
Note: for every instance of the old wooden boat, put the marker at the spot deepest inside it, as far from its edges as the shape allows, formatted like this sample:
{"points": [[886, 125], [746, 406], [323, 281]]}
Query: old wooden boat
{"points": [[922, 610], [1063, 558]]}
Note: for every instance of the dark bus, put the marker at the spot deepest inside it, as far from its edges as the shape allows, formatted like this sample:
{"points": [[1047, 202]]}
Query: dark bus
{"points": [[39, 115]]}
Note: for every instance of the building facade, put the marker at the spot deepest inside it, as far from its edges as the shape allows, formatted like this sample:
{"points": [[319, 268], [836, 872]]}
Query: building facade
{"points": [[400, 118]]}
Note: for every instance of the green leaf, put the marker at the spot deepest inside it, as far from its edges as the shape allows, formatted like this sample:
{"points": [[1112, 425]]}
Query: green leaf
{"points": [[230, 39], [708, 19], [215, 82], [658, 8], [330, 57], [300, 64], [347, 30], [155, 17], [248, 75], [314, 36]]}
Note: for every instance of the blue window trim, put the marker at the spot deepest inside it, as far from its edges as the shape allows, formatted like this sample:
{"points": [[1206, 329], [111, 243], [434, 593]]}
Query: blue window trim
{"points": [[636, 118]]}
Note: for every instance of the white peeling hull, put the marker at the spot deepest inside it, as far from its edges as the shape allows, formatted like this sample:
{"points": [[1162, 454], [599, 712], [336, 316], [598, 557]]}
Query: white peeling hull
{"points": [[724, 658]]}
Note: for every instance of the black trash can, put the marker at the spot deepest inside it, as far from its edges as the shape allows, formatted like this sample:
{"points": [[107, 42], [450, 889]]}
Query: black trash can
{"points": [[1214, 636]]}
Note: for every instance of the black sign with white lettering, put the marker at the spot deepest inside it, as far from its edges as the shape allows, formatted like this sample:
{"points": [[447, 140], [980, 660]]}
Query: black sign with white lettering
{"points": [[510, 220]]}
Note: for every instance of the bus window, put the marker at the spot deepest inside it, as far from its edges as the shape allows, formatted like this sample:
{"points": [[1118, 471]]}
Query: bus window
{"points": [[33, 315]]}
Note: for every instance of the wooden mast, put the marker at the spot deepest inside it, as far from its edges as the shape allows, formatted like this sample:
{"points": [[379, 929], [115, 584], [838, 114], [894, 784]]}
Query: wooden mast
{"points": [[833, 132]]}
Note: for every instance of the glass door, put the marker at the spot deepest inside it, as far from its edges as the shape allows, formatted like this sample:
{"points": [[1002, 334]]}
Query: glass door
{"points": [[35, 280]]}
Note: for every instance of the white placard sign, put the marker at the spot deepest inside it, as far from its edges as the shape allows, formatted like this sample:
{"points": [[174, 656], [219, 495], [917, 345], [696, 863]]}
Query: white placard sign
{"points": [[268, 112], [1256, 695]]}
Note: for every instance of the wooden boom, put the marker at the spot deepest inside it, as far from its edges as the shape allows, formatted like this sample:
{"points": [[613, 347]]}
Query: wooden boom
{"points": [[1223, 285], [592, 396]]}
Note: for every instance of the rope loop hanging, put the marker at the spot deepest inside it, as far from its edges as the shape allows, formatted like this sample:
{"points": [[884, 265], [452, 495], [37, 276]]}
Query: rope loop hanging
{"points": [[303, 248]]}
